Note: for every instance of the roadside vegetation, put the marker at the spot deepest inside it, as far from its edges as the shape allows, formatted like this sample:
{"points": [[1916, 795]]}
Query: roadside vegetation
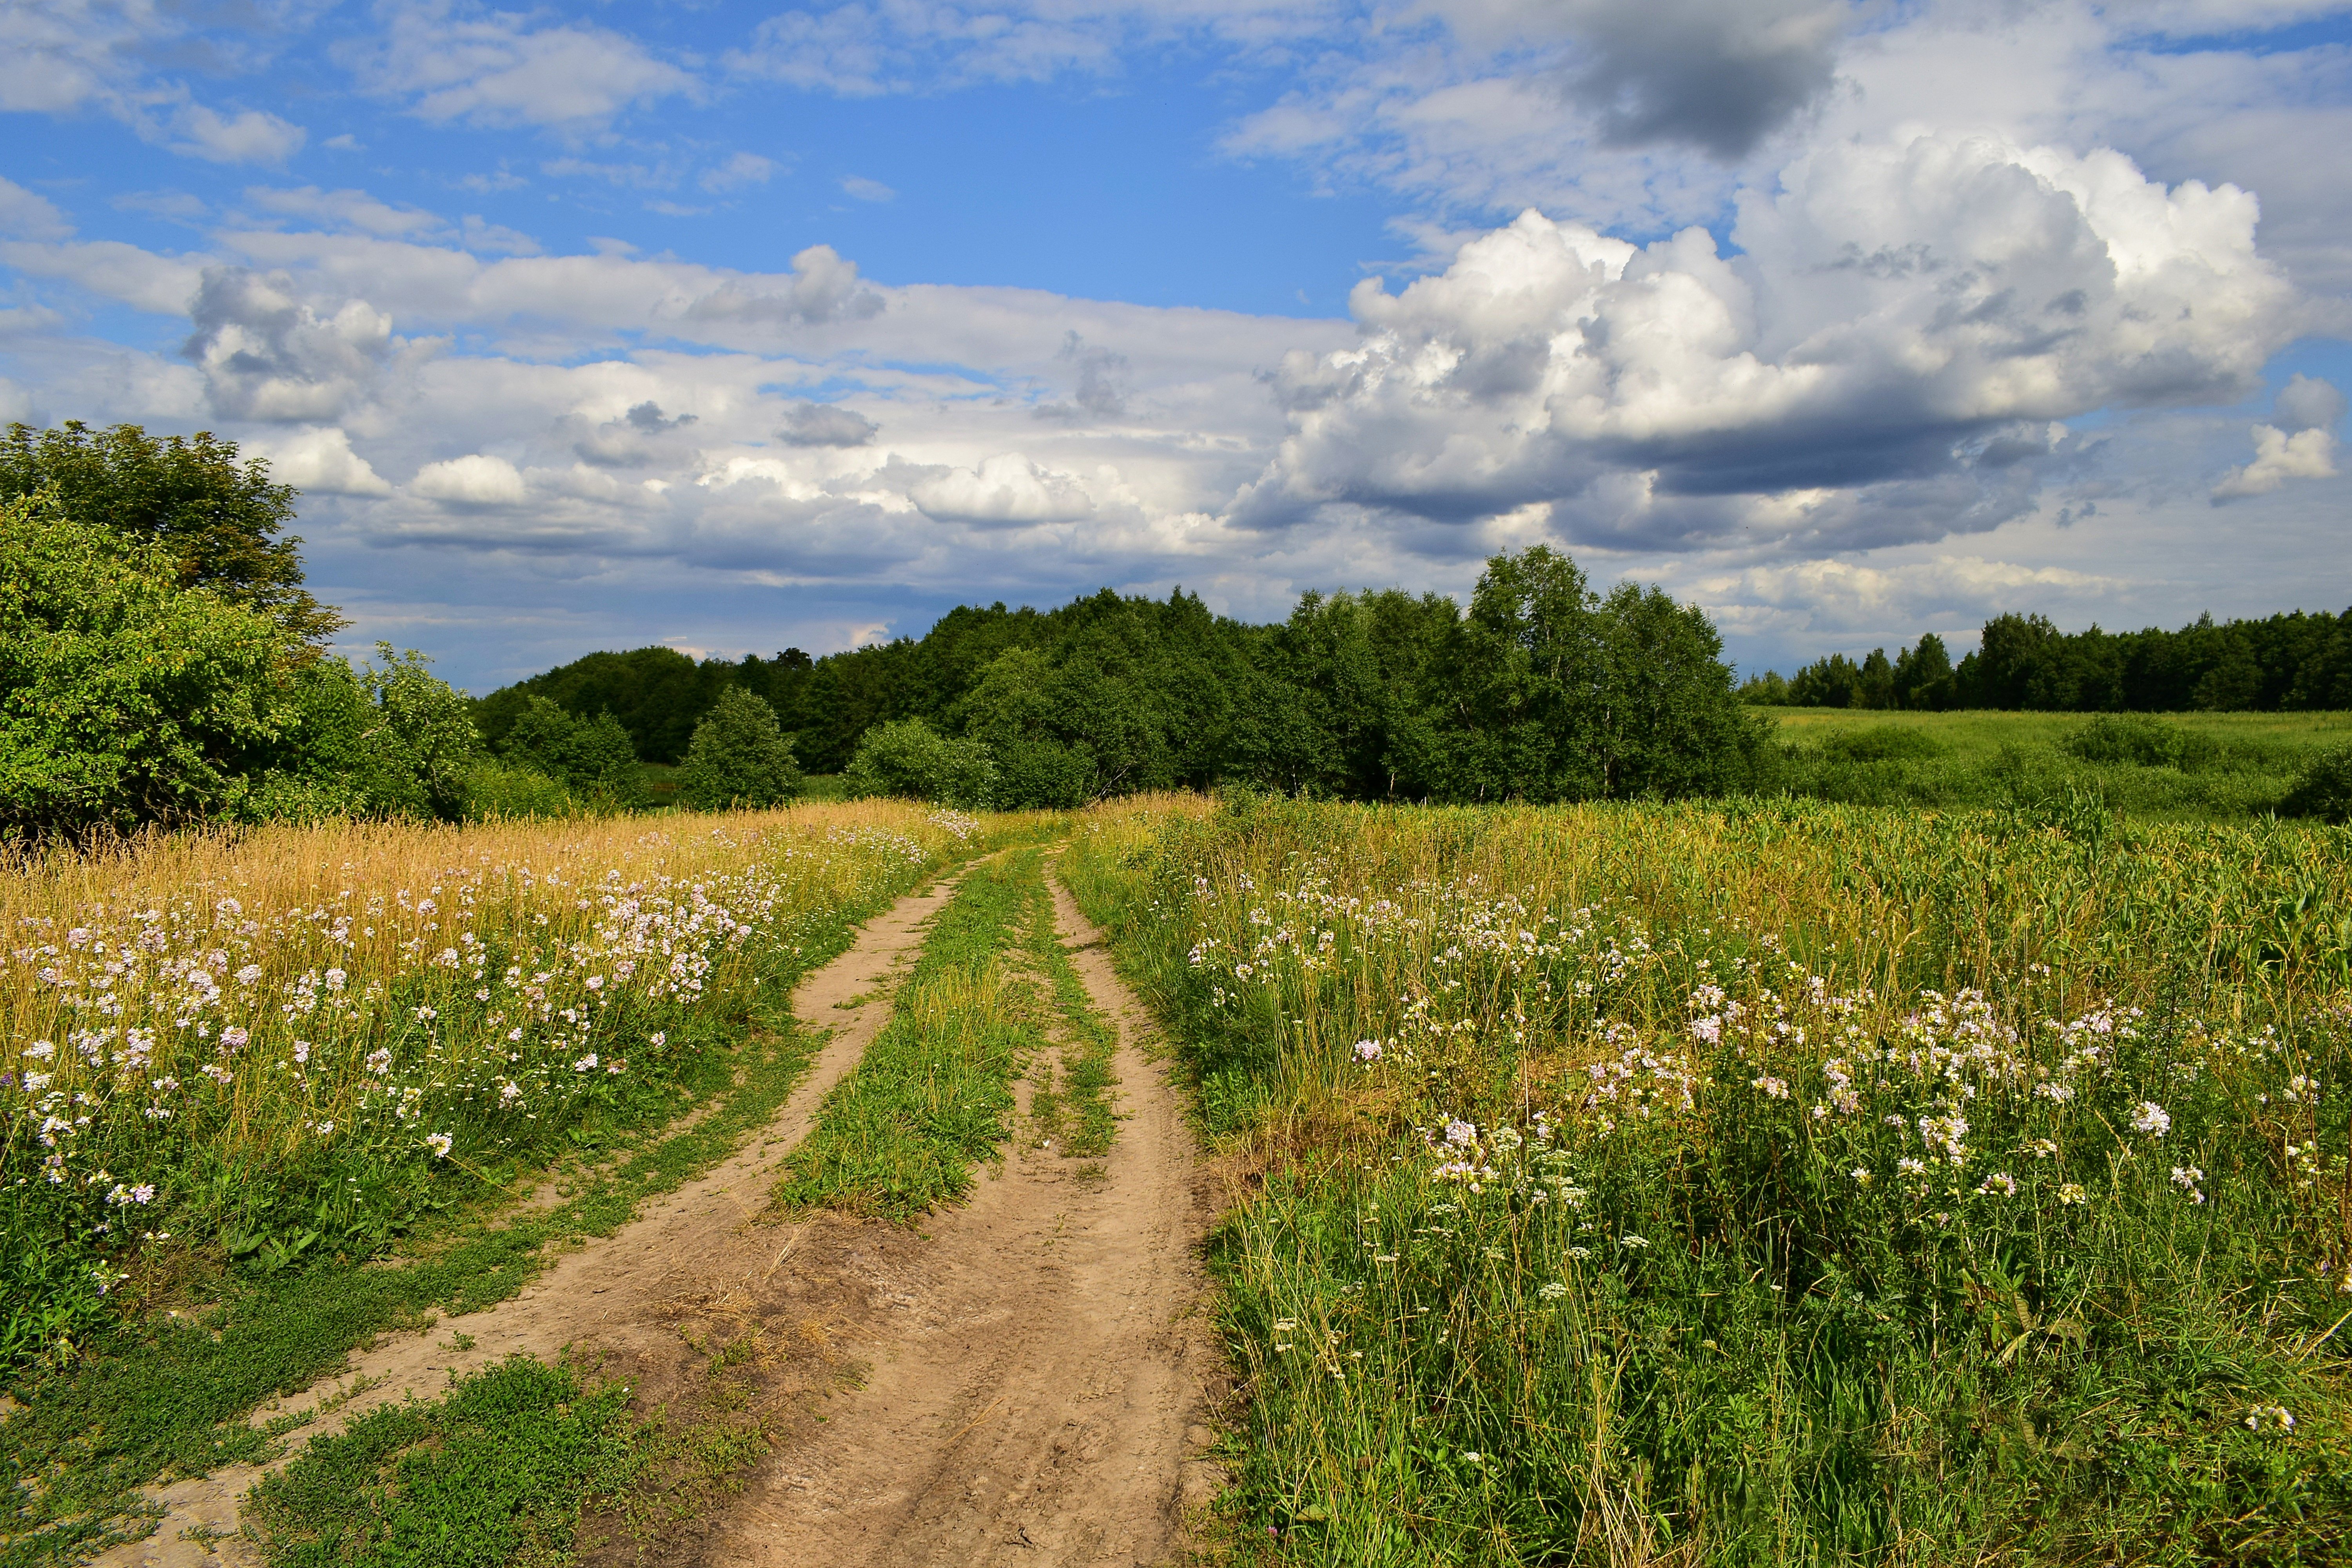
{"points": [[1786, 1182]]}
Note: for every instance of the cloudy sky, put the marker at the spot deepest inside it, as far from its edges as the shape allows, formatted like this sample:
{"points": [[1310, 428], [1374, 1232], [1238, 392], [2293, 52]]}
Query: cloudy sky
{"points": [[735, 327]]}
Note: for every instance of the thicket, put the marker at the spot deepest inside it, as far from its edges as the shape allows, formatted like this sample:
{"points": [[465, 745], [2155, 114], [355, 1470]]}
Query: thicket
{"points": [[2289, 662], [1539, 688], [1776, 1183]]}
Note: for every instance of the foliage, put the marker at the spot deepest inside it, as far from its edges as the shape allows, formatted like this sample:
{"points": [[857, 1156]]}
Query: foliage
{"points": [[909, 759], [593, 757], [738, 758], [2324, 788], [500, 792], [2143, 743], [124, 697], [218, 520], [1788, 1183]]}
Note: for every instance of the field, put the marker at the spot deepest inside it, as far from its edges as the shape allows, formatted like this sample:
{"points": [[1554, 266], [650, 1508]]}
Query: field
{"points": [[1774, 1180], [1786, 1183], [2186, 767]]}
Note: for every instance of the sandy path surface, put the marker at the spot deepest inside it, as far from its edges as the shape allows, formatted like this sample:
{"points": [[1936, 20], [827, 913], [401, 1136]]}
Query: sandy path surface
{"points": [[1038, 1363], [687, 1254]]}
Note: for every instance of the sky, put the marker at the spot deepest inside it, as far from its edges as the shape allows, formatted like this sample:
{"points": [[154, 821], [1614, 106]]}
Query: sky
{"points": [[738, 327]]}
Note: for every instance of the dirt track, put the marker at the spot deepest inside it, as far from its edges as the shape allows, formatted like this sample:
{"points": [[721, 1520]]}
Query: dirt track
{"points": [[1031, 1368], [1031, 1400]]}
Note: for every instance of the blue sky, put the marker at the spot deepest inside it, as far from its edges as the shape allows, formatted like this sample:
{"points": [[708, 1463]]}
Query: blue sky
{"points": [[735, 328]]}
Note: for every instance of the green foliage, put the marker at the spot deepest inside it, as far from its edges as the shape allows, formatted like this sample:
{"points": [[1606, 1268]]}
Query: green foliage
{"points": [[738, 757], [594, 757], [907, 759], [218, 520], [932, 1096], [1884, 742], [125, 699], [492, 1474], [2142, 741], [505, 792], [2324, 788]]}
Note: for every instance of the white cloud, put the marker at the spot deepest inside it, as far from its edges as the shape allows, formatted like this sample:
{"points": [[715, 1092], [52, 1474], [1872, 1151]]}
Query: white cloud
{"points": [[474, 481], [1908, 318], [318, 460], [741, 170], [492, 69], [2308, 403], [826, 425], [1005, 489], [268, 356], [23, 214], [2278, 457], [252, 137], [865, 190], [860, 50], [823, 287], [346, 209]]}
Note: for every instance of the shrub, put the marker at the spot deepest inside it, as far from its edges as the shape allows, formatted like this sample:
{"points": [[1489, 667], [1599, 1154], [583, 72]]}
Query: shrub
{"points": [[124, 699], [2324, 788], [908, 759], [500, 792], [2131, 738], [594, 757], [738, 757], [1884, 743]]}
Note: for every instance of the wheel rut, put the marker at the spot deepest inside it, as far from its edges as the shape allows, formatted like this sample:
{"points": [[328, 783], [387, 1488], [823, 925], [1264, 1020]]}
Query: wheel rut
{"points": [[688, 1255], [1038, 1366]]}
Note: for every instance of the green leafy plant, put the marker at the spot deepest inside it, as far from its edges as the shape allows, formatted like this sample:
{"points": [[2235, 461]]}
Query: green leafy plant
{"points": [[738, 757]]}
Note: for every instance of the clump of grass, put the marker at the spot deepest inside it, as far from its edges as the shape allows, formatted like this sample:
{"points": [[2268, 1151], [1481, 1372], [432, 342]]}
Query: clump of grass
{"points": [[1792, 1183], [933, 1096], [1075, 1108]]}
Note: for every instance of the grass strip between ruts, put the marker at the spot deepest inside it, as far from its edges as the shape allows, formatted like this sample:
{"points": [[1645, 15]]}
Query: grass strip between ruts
{"points": [[934, 1097], [175, 1403], [1072, 1108]]}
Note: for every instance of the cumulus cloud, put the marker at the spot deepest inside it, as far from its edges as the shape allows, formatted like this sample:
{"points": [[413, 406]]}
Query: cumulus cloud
{"points": [[1004, 490], [268, 356], [1101, 391], [1917, 313], [2279, 456], [493, 68], [633, 440], [317, 461], [2308, 403], [742, 169], [826, 425], [471, 482], [823, 287]]}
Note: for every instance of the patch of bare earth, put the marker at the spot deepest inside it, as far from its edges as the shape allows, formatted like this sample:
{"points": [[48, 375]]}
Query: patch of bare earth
{"points": [[657, 1302], [1038, 1363]]}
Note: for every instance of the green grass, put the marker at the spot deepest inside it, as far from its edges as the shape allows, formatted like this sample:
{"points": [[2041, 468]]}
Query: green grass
{"points": [[1073, 1108], [933, 1096], [1499, 1295], [2221, 767]]}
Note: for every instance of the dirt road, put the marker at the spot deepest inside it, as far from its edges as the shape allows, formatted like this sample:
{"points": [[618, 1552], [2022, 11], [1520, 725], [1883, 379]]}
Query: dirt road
{"points": [[1035, 1392]]}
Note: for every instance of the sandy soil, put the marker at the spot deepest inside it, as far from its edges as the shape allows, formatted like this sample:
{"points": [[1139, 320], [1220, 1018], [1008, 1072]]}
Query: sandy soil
{"points": [[642, 1297], [1039, 1366]]}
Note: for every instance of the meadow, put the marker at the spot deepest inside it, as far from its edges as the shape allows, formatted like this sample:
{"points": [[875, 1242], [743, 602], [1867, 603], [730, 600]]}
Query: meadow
{"points": [[2186, 767], [1773, 1183]]}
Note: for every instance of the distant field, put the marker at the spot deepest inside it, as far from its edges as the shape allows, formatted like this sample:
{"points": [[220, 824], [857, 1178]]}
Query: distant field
{"points": [[2179, 766]]}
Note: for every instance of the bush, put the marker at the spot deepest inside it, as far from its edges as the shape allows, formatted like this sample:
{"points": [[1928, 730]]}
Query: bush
{"points": [[1884, 743], [593, 757], [907, 759], [498, 791], [2130, 738], [2324, 788], [125, 699], [1042, 775], [738, 758]]}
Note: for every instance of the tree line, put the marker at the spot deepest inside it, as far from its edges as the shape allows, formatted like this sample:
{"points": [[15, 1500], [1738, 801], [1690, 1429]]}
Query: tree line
{"points": [[2296, 661]]}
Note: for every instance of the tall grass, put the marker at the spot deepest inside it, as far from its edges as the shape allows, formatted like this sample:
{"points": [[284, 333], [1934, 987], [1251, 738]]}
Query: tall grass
{"points": [[1783, 1184], [256, 1047]]}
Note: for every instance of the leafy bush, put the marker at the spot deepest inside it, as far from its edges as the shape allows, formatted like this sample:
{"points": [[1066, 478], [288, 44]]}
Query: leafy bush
{"points": [[738, 757], [1884, 743], [2324, 788], [594, 757], [907, 759], [500, 792], [2130, 738], [125, 699]]}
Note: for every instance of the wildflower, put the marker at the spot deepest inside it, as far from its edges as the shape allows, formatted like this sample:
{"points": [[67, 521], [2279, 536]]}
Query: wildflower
{"points": [[39, 1051], [1461, 1132], [1580, 1253], [595, 983], [2186, 1178], [2273, 1417], [1909, 1167], [1551, 1290], [1368, 1050], [249, 974], [1999, 1182], [2072, 1193], [426, 1014], [379, 1061], [657, 1037], [585, 1064], [233, 1037], [439, 1143], [1772, 1086], [301, 1053], [509, 1092], [1861, 1173], [335, 978], [1635, 1242], [2152, 1119], [2042, 1148]]}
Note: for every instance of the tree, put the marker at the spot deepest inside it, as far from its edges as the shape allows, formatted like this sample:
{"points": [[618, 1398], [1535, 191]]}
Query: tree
{"points": [[125, 698], [738, 758], [220, 519], [907, 759], [591, 756]]}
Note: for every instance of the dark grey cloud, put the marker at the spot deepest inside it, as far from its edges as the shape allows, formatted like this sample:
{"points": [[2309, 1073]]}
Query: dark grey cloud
{"points": [[1102, 384], [826, 425], [268, 354], [1718, 75]]}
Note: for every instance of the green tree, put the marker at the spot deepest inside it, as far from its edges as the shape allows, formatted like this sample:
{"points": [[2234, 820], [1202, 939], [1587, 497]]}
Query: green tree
{"points": [[125, 698], [907, 759], [220, 518], [738, 758], [591, 756]]}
